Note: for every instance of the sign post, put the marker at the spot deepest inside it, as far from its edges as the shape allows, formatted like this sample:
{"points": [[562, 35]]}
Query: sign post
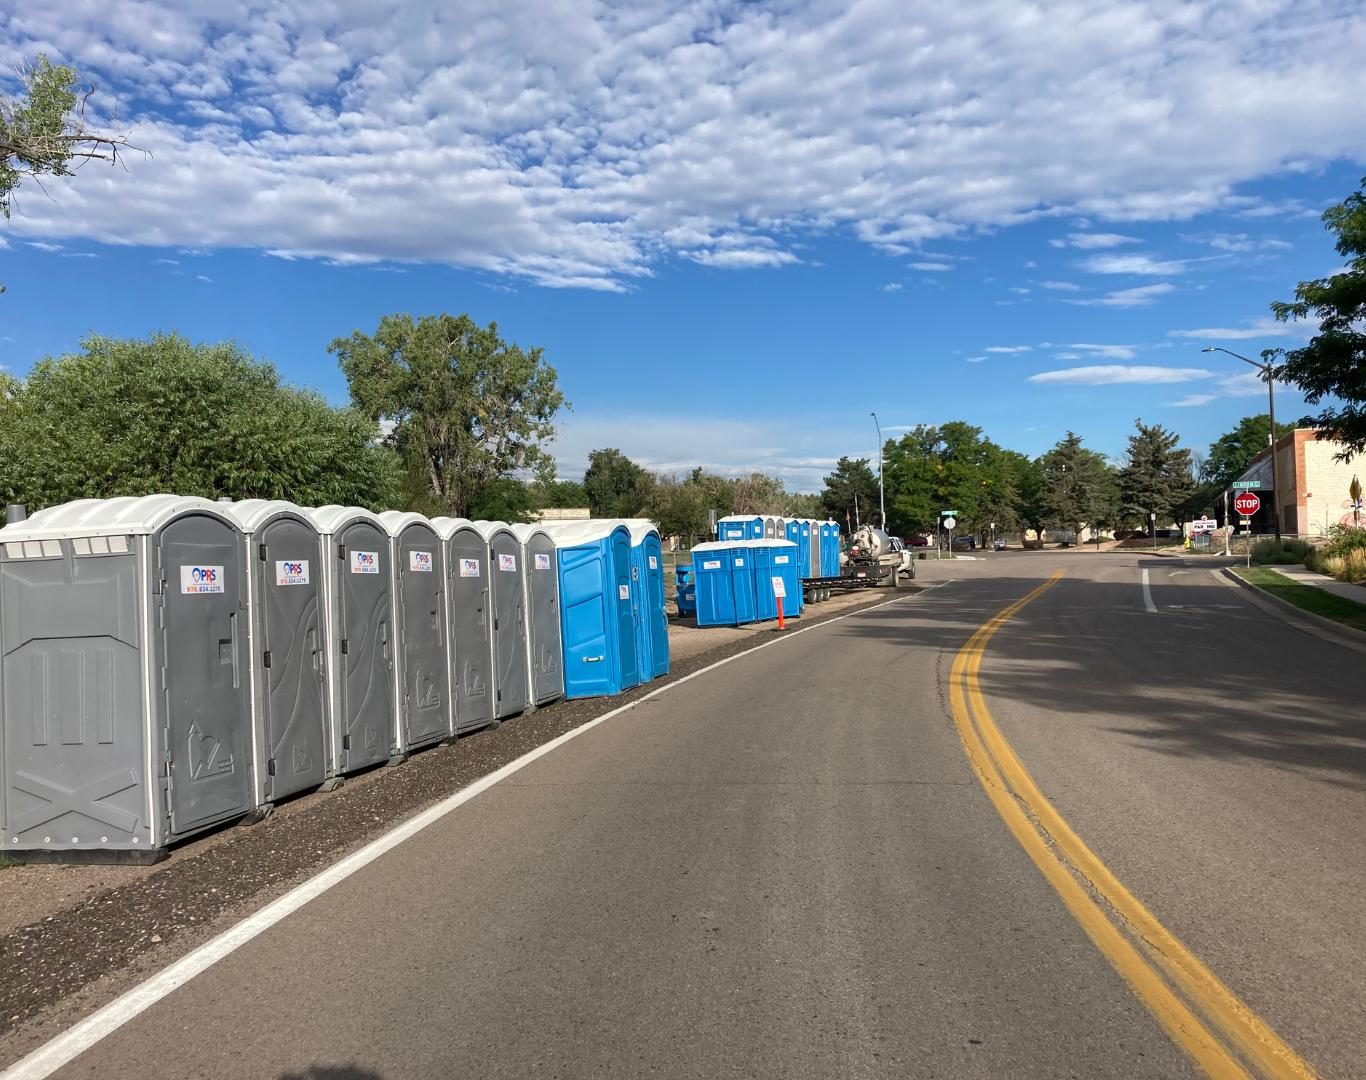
{"points": [[779, 591], [949, 523]]}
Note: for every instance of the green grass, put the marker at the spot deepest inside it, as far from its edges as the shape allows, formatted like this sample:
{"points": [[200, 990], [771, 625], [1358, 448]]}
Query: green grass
{"points": [[5, 863], [1307, 597]]}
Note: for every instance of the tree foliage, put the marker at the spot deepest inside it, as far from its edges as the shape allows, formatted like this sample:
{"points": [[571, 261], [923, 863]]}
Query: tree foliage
{"points": [[948, 467], [1231, 453], [138, 417], [1157, 477], [850, 492], [1079, 487], [43, 132], [466, 407], [1332, 365], [615, 485]]}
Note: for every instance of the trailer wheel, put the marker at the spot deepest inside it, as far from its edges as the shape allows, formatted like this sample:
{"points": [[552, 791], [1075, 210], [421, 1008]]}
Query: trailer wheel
{"points": [[894, 578], [911, 572]]}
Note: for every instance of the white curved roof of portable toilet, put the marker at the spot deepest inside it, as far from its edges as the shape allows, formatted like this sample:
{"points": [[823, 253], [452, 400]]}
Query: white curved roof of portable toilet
{"points": [[573, 533], [333, 518], [446, 527], [717, 545], [640, 528], [767, 541], [134, 514], [395, 521], [487, 529], [251, 514], [525, 532]]}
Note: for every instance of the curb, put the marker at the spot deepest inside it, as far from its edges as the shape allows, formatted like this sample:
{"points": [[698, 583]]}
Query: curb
{"points": [[1307, 621]]}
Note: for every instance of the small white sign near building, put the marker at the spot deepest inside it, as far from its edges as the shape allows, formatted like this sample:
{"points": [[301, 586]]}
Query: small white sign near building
{"points": [[1204, 525]]}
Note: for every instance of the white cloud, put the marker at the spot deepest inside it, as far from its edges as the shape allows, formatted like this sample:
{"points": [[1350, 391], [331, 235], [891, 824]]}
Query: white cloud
{"points": [[1093, 241], [204, 278], [1019, 291], [1141, 296], [1059, 286], [1258, 328], [1141, 264], [1115, 374], [1009, 348], [1237, 243], [1192, 400], [580, 144], [894, 286], [169, 262], [43, 245], [931, 267], [975, 359], [1105, 352]]}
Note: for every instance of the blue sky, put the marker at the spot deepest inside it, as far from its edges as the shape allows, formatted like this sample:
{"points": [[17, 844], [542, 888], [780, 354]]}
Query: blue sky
{"points": [[735, 228]]}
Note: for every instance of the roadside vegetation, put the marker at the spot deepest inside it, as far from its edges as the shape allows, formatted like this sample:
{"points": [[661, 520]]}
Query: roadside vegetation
{"points": [[1306, 597], [1343, 556]]}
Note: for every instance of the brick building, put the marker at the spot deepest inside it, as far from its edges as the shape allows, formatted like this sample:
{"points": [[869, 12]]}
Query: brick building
{"points": [[1314, 485]]}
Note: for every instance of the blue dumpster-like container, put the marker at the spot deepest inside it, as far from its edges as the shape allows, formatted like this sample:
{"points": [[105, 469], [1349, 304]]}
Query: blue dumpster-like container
{"points": [[597, 622], [647, 588], [714, 587], [775, 559]]}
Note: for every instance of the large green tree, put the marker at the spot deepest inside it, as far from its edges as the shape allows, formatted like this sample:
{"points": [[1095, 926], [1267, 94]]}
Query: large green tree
{"points": [[850, 492], [1156, 477], [43, 130], [465, 408], [1230, 454], [948, 467], [137, 417], [615, 485], [1332, 366], [1079, 487]]}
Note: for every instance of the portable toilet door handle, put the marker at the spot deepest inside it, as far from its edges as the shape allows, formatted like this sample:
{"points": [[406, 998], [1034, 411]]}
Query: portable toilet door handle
{"points": [[236, 665], [384, 637]]}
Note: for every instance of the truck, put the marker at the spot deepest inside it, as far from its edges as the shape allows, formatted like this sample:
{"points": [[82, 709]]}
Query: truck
{"points": [[873, 554]]}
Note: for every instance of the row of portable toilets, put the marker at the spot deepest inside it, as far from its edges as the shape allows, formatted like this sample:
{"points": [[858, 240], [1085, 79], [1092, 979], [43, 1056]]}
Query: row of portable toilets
{"points": [[170, 663], [737, 578]]}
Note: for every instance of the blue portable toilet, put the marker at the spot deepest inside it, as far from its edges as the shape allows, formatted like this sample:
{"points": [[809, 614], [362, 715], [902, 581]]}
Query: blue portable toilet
{"points": [[714, 586], [685, 589], [804, 548], [739, 527], [597, 627], [772, 559], [647, 589], [741, 559], [792, 530], [830, 549]]}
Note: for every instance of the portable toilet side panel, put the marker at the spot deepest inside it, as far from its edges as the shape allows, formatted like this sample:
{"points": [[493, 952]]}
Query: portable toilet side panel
{"points": [[421, 599], [655, 610], [742, 579], [804, 548], [467, 580], [543, 619], [288, 610], [814, 556], [365, 632], [509, 624], [73, 734], [205, 708]]}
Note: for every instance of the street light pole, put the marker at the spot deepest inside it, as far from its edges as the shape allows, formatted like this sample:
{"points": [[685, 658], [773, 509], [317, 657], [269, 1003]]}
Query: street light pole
{"points": [[1265, 369], [881, 497]]}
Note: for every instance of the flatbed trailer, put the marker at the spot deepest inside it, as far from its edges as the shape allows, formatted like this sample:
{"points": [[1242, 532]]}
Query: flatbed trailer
{"points": [[814, 589]]}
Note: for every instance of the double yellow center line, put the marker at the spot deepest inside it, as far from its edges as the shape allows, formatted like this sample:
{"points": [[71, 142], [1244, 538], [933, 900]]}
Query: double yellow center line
{"points": [[1202, 1015]]}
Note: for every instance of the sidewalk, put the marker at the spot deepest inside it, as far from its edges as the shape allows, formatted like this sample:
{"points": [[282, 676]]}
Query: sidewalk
{"points": [[1302, 576]]}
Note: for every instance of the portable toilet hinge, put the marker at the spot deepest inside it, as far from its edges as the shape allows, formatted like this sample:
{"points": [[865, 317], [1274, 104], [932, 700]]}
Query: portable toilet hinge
{"points": [[346, 742], [495, 624], [265, 663], [500, 695], [261, 552], [345, 645], [270, 767], [341, 552], [166, 760]]}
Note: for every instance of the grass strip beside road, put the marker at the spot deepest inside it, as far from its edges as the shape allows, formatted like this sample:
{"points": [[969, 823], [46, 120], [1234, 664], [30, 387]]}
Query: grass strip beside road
{"points": [[1308, 598], [1222, 1035]]}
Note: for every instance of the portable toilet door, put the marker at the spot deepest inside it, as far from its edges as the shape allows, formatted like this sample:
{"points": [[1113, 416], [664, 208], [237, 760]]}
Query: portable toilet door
{"points": [[507, 593], [545, 669], [289, 696], [469, 623], [783, 563], [742, 581], [597, 631], [358, 602], [714, 588], [770, 528], [647, 594], [814, 554], [424, 714], [830, 549], [103, 601]]}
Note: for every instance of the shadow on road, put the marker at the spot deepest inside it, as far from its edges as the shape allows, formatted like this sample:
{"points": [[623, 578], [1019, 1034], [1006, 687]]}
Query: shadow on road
{"points": [[1208, 675], [332, 1072]]}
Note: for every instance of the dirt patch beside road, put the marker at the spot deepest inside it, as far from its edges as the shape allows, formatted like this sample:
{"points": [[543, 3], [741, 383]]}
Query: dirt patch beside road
{"points": [[83, 934]]}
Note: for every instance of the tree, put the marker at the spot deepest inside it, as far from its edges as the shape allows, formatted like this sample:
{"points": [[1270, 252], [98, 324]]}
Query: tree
{"points": [[43, 131], [615, 485], [1027, 480], [1156, 478], [1231, 453], [950, 467], [851, 484], [1078, 486], [560, 494], [759, 493], [1333, 364], [467, 408], [137, 417]]}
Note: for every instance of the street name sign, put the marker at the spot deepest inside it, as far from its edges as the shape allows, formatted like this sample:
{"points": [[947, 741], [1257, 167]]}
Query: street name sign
{"points": [[1246, 485], [1247, 504], [948, 513]]}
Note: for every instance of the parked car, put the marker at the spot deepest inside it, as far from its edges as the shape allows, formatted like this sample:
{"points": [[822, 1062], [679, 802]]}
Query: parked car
{"points": [[965, 543], [917, 541], [999, 544]]}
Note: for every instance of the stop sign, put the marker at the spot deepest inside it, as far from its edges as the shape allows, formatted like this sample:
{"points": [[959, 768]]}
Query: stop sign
{"points": [[1247, 504]]}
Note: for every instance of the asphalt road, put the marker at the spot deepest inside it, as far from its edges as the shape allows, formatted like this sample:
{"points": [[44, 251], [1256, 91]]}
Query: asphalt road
{"points": [[787, 866]]}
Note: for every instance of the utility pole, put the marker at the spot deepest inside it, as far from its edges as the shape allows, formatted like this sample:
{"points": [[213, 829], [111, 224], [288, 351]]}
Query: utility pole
{"points": [[1265, 369], [881, 496]]}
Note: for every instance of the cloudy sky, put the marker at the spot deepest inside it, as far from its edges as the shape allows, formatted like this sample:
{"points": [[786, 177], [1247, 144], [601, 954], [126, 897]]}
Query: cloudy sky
{"points": [[736, 228]]}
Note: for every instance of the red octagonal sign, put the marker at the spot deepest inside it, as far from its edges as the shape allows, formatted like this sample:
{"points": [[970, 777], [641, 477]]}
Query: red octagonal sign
{"points": [[1247, 504]]}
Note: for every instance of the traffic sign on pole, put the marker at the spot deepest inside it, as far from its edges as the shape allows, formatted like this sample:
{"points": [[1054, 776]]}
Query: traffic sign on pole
{"points": [[948, 513], [1247, 504], [949, 523], [1244, 485]]}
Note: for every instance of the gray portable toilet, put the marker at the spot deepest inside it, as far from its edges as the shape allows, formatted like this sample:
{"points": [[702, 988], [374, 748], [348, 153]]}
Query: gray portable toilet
{"points": [[469, 622], [508, 604], [424, 714], [288, 673], [358, 625], [545, 654], [126, 719]]}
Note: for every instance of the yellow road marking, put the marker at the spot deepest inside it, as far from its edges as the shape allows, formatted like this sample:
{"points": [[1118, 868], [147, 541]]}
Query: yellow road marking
{"points": [[1034, 822]]}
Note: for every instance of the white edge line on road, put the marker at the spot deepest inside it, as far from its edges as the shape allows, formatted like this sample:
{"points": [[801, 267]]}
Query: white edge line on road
{"points": [[69, 1045], [1148, 595]]}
